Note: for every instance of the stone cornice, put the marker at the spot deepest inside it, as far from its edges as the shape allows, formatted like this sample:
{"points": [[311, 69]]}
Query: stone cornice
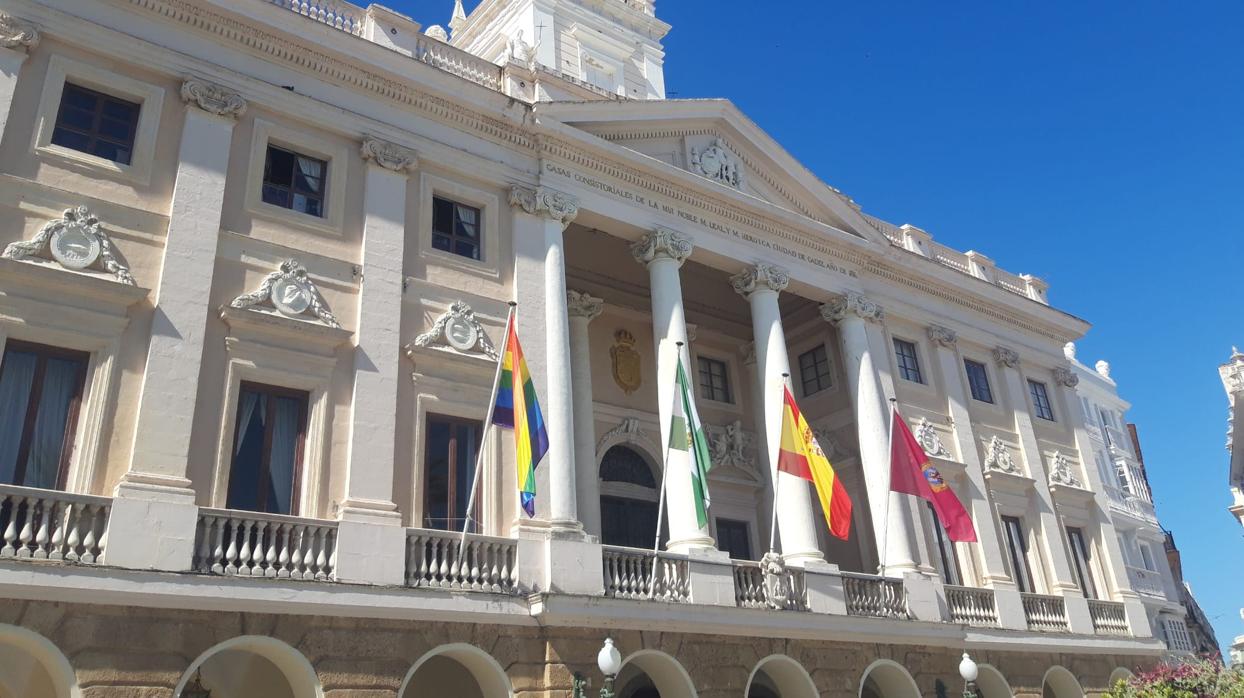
{"points": [[212, 98], [543, 201], [856, 304], [662, 243], [760, 277], [16, 33], [388, 155]]}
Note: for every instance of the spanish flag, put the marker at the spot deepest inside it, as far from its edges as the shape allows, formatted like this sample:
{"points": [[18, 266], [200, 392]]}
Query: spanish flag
{"points": [[801, 456], [517, 408]]}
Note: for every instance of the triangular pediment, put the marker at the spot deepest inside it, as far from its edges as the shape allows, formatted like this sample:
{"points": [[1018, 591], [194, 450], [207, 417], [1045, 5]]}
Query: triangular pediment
{"points": [[714, 140]]}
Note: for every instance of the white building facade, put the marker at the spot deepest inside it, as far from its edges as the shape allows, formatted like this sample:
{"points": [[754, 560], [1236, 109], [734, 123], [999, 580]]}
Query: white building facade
{"points": [[258, 260]]}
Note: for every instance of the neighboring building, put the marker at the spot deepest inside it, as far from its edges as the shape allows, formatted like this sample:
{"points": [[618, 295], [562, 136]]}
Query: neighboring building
{"points": [[256, 274], [1232, 374], [1200, 630]]}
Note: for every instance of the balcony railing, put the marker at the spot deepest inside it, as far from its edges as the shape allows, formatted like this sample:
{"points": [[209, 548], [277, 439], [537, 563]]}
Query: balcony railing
{"points": [[1146, 582], [250, 544], [972, 606], [51, 525], [437, 559], [1108, 617], [787, 591], [1045, 613], [869, 595], [339, 15], [631, 573]]}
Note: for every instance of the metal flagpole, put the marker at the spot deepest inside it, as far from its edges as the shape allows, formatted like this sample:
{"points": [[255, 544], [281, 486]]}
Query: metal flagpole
{"points": [[665, 471], [885, 523], [774, 520], [479, 456]]}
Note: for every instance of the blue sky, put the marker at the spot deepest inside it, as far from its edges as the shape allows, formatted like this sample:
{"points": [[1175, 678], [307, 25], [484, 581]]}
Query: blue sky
{"points": [[1095, 144]]}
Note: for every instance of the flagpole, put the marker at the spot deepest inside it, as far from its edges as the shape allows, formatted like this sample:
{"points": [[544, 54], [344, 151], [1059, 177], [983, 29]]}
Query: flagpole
{"points": [[665, 471], [885, 523], [773, 523], [479, 456]]}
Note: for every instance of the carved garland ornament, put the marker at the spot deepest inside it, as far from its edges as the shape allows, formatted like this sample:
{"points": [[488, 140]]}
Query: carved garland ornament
{"points": [[76, 241], [1061, 473], [212, 98], [929, 439], [581, 304], [458, 329], [291, 292], [997, 457], [16, 33], [543, 201], [388, 155]]}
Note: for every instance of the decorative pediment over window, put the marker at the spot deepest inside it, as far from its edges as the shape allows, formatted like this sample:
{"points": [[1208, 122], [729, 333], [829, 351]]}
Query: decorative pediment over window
{"points": [[458, 330], [77, 242], [290, 292]]}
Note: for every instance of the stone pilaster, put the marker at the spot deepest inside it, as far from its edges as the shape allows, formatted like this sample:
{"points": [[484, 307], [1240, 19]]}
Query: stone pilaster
{"points": [[583, 309], [17, 39]]}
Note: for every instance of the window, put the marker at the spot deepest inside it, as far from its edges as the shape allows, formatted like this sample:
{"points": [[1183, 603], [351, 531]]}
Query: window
{"points": [[908, 362], [268, 441], [456, 228], [714, 381], [628, 502], [1041, 400], [95, 123], [1017, 550], [40, 393], [814, 371], [734, 538], [450, 451], [1146, 556], [1080, 558], [294, 181], [947, 555], [978, 381]]}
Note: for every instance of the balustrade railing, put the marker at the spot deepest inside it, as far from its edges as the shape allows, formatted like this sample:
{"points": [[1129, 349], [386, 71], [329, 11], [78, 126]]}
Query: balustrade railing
{"points": [[41, 524], [972, 606], [339, 15], [1108, 617], [629, 574], [251, 544], [1146, 582], [438, 559], [450, 59], [1045, 613], [753, 588], [869, 595]]}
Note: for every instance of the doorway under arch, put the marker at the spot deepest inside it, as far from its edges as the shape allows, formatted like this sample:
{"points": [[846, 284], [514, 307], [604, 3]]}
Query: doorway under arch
{"points": [[32, 667], [252, 666], [990, 683], [653, 674], [885, 678], [779, 676], [629, 494], [459, 670], [1060, 683], [1120, 674]]}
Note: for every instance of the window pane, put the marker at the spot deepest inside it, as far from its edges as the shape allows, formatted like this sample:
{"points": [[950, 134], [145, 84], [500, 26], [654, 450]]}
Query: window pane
{"points": [[1040, 400], [814, 370], [275, 196], [16, 379], [622, 464], [733, 537], [436, 475], [908, 363], [456, 228], [79, 98], [286, 430], [279, 167], [267, 454], [47, 441], [443, 216], [86, 116], [71, 139], [79, 119], [978, 381], [467, 439], [442, 242]]}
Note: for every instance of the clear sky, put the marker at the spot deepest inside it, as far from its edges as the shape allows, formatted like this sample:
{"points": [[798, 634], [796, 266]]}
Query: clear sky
{"points": [[1098, 145]]}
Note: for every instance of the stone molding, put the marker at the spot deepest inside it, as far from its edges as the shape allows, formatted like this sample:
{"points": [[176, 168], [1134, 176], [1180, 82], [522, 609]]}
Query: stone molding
{"points": [[390, 156], [290, 274], [212, 98], [546, 202], [16, 33], [458, 329], [760, 277], [747, 352], [582, 304], [718, 163], [76, 222], [1066, 377], [662, 243], [943, 336], [852, 303], [1006, 357]]}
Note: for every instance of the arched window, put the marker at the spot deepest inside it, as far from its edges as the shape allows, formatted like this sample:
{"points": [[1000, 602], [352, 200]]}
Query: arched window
{"points": [[629, 497]]}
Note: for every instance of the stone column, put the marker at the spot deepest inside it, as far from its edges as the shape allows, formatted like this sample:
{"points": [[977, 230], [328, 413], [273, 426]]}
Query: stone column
{"points": [[370, 537], [16, 39], [858, 319], [583, 309], [157, 474], [663, 252], [797, 519]]}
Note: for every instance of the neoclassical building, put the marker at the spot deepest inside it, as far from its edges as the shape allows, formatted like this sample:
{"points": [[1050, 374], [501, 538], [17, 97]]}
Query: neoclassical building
{"points": [[258, 258]]}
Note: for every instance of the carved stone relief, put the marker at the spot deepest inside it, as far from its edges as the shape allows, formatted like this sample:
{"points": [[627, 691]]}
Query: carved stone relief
{"points": [[998, 457], [291, 292], [627, 364], [458, 329], [717, 163], [76, 241], [212, 98], [930, 440], [730, 445], [1061, 472]]}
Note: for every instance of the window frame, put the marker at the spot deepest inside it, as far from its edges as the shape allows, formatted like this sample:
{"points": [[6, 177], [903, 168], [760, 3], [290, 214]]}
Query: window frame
{"points": [[948, 555], [486, 200], [93, 133], [746, 531], [828, 373], [453, 235], [989, 398], [1020, 562], [451, 509], [327, 148], [293, 190], [728, 387], [900, 361], [70, 437], [263, 496], [1081, 561], [1039, 396]]}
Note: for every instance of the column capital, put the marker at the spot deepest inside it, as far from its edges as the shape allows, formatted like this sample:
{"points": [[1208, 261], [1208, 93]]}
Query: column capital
{"points": [[748, 354], [580, 304], [852, 303], [1066, 377], [390, 156], [662, 243], [16, 33], [1006, 357], [546, 202], [761, 277], [943, 336], [212, 98]]}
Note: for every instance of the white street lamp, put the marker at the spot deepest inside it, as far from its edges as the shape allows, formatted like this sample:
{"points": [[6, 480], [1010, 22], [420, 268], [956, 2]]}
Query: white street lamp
{"points": [[609, 661], [969, 671]]}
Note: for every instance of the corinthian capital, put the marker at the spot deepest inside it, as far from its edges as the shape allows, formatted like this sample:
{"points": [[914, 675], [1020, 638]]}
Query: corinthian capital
{"points": [[1006, 357], [1066, 377], [18, 34], [580, 304], [762, 277], [943, 336], [856, 304], [390, 156], [546, 202], [662, 243], [212, 98]]}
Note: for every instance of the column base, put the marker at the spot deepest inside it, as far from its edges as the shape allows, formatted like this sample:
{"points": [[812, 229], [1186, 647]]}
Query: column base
{"points": [[684, 546], [154, 487], [370, 511], [801, 559]]}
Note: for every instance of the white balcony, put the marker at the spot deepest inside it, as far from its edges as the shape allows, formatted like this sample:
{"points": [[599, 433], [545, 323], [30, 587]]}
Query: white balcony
{"points": [[52, 525], [1146, 582]]}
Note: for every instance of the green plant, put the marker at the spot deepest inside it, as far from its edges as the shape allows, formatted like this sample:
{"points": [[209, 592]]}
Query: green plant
{"points": [[1205, 677]]}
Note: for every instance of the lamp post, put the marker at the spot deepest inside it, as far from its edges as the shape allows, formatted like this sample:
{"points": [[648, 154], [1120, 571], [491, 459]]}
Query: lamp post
{"points": [[609, 661], [969, 671]]}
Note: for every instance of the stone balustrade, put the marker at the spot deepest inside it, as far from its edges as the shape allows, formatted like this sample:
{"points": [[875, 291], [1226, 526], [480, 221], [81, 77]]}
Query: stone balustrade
{"points": [[50, 525], [338, 15], [1109, 617], [440, 560], [1045, 613], [870, 595], [249, 544], [631, 573], [972, 606], [753, 590], [1146, 582]]}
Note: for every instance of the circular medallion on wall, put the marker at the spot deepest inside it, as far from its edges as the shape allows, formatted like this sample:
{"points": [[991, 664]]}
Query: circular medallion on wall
{"points": [[74, 247], [461, 334], [290, 297]]}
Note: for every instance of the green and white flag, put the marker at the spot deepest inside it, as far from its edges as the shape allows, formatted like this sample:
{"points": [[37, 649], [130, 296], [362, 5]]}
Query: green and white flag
{"points": [[688, 444]]}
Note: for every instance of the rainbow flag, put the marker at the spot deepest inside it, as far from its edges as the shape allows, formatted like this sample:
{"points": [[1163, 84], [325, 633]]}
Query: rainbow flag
{"points": [[517, 408]]}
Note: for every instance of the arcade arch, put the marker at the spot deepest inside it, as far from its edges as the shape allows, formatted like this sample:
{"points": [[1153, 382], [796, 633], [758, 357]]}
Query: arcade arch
{"points": [[1060, 683], [32, 667], [653, 674], [253, 666], [885, 678], [779, 676], [460, 670]]}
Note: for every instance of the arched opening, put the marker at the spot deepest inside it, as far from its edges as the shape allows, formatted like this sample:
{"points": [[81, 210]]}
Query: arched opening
{"points": [[779, 676], [32, 667], [1060, 683], [888, 679], [459, 670], [1120, 674], [252, 666], [990, 683], [628, 498], [652, 674]]}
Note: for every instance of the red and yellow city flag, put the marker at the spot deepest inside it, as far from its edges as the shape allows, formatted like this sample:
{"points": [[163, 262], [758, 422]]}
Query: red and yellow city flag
{"points": [[801, 456], [912, 472]]}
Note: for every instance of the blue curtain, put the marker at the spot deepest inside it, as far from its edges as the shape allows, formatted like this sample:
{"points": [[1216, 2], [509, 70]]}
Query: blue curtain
{"points": [[282, 461], [60, 382], [16, 377]]}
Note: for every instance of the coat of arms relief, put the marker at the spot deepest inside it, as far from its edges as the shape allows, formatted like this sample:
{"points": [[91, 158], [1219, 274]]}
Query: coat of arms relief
{"points": [[627, 363]]}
